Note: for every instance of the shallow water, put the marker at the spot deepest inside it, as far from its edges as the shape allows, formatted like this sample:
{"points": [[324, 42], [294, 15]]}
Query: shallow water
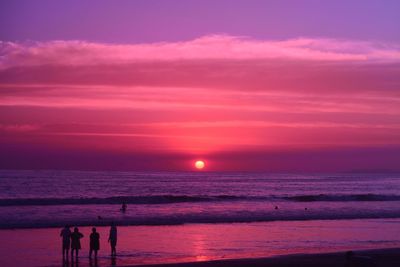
{"points": [[189, 216], [200, 242], [55, 198]]}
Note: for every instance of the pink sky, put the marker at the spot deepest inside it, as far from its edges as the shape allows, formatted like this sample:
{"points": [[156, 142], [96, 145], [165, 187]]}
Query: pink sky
{"points": [[239, 102]]}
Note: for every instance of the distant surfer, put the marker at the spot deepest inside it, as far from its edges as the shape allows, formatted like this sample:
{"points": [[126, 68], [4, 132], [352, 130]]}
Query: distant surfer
{"points": [[123, 208]]}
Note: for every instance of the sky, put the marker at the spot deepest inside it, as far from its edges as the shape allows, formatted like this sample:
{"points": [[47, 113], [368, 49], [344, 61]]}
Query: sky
{"points": [[288, 86]]}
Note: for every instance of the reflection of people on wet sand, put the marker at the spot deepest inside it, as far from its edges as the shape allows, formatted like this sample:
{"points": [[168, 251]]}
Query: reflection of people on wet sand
{"points": [[94, 242], [66, 235], [358, 261], [113, 261], [124, 206], [112, 239], [91, 262], [75, 242]]}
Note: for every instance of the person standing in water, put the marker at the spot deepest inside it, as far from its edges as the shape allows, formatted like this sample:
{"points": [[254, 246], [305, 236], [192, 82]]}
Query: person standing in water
{"points": [[112, 239], [66, 241], [123, 208], [94, 242], [75, 242]]}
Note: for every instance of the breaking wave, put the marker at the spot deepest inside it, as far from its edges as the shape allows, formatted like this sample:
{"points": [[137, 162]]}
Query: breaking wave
{"points": [[169, 199]]}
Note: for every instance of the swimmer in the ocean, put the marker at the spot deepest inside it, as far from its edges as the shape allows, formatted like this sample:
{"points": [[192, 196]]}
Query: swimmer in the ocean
{"points": [[124, 206]]}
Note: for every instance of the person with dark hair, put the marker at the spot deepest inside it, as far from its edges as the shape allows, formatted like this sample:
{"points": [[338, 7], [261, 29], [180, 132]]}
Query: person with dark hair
{"points": [[112, 239], [94, 242], [66, 235], [75, 242]]}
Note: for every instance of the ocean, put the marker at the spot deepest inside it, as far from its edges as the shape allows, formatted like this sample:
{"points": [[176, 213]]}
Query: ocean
{"points": [[196, 216], [32, 199]]}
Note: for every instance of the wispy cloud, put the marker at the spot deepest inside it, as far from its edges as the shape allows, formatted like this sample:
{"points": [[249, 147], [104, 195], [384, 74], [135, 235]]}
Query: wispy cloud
{"points": [[207, 47], [214, 93]]}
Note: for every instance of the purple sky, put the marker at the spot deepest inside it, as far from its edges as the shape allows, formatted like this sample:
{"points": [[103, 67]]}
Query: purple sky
{"points": [[244, 85], [174, 20]]}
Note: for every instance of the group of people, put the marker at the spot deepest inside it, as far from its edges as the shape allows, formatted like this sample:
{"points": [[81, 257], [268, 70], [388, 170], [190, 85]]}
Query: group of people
{"points": [[72, 240]]}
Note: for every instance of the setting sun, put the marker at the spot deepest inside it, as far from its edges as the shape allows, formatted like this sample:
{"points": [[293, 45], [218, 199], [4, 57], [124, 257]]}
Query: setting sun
{"points": [[199, 164]]}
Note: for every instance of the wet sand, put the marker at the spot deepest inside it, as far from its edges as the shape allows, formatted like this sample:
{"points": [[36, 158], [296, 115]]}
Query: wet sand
{"points": [[381, 257], [255, 244]]}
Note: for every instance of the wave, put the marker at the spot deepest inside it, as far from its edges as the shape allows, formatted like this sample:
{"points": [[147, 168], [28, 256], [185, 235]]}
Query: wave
{"points": [[155, 199], [343, 198], [169, 199], [250, 217]]}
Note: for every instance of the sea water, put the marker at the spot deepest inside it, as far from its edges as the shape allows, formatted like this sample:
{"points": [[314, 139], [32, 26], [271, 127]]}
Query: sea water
{"points": [[55, 198], [195, 216]]}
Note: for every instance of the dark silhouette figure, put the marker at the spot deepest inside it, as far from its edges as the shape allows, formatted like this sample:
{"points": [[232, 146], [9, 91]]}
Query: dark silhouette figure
{"points": [[112, 239], [94, 242], [66, 238], [123, 208], [276, 207], [75, 242]]}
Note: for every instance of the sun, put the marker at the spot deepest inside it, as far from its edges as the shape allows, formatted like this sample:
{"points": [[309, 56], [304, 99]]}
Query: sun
{"points": [[199, 164]]}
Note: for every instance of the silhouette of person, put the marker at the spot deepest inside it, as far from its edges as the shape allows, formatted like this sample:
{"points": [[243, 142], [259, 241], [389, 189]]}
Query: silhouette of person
{"points": [[66, 235], [75, 242], [112, 239], [124, 206], [94, 242]]}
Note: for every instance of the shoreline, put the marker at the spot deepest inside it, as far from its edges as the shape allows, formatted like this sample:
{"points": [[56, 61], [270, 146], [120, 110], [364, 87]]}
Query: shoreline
{"points": [[209, 245], [106, 222], [386, 257]]}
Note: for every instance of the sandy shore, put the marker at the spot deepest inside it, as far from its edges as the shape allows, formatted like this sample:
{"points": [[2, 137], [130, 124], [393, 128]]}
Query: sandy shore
{"points": [[256, 244], [381, 257]]}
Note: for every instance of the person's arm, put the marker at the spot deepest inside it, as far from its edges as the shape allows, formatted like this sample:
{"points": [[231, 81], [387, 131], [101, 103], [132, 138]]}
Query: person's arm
{"points": [[61, 233]]}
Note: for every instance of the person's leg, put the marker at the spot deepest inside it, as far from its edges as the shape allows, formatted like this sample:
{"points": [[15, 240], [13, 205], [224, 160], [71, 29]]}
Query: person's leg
{"points": [[90, 253], [95, 253], [67, 254]]}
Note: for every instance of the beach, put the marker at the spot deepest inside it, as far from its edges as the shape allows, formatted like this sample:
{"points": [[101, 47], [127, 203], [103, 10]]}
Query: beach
{"points": [[181, 217], [382, 257], [261, 244], [171, 133]]}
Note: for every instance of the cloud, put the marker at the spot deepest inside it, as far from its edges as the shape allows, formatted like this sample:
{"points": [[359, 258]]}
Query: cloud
{"points": [[215, 93], [205, 48], [19, 127]]}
